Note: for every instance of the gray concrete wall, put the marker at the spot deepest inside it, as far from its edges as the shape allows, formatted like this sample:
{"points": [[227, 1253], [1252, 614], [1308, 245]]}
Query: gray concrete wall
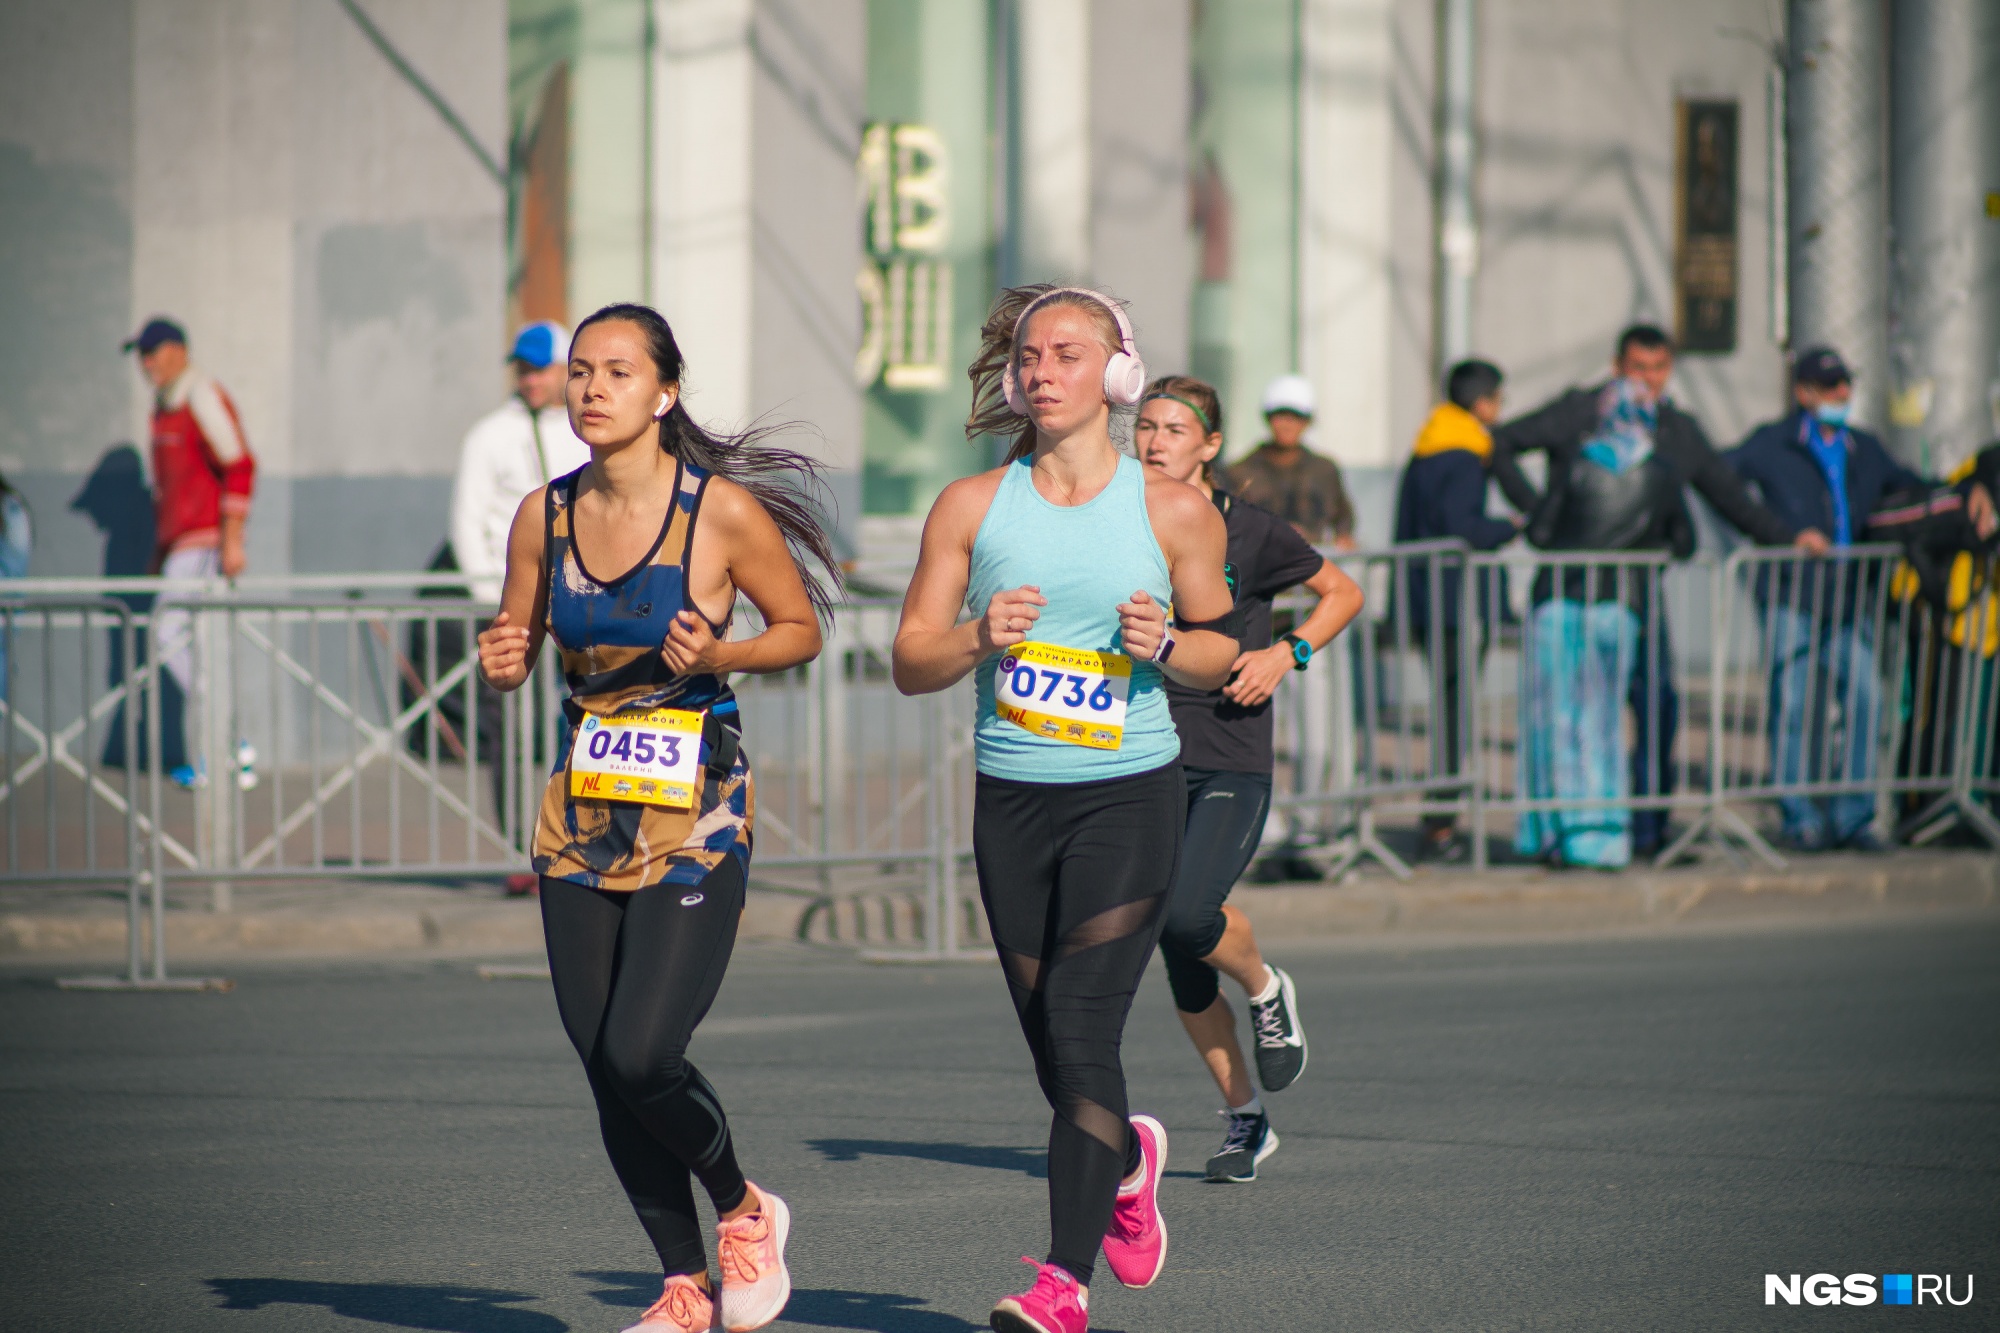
{"points": [[1576, 198], [808, 100], [65, 259], [260, 173]]}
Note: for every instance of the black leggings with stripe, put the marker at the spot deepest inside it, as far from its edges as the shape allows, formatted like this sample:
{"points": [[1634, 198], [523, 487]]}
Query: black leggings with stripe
{"points": [[1074, 877], [634, 973]]}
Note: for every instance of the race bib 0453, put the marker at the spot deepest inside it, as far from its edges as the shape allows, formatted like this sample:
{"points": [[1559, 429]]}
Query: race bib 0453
{"points": [[653, 758], [1074, 695]]}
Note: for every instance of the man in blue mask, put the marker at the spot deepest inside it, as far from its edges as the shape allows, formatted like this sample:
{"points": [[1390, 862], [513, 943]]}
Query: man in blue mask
{"points": [[1820, 473]]}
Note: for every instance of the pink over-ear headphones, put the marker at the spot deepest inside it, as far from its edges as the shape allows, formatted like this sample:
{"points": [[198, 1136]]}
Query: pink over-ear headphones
{"points": [[1124, 373]]}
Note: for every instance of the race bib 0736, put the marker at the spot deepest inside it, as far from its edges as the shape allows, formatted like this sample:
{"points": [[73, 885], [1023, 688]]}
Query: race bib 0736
{"points": [[653, 758], [1074, 695]]}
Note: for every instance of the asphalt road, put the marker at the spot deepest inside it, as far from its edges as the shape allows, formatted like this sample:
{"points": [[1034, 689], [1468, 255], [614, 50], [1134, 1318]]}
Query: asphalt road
{"points": [[1585, 1133]]}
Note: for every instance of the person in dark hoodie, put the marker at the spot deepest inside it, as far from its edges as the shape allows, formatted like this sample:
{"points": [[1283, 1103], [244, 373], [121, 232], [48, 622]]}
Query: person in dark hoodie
{"points": [[1643, 365], [1443, 496], [1821, 473]]}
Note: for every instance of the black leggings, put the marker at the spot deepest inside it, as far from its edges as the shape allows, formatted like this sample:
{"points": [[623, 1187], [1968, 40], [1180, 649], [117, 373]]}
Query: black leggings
{"points": [[634, 973], [1225, 819], [1074, 876]]}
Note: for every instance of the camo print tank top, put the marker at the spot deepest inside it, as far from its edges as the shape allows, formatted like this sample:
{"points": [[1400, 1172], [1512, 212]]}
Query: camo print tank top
{"points": [[607, 633]]}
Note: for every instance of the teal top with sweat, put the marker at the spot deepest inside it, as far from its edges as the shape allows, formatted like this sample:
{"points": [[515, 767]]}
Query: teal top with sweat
{"points": [[1086, 559]]}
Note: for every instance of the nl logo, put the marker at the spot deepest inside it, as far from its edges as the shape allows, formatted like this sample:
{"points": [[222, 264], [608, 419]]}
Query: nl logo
{"points": [[1860, 1289]]}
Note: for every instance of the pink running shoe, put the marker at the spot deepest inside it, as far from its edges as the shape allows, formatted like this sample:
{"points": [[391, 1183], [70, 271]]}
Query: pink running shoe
{"points": [[1053, 1305], [682, 1308], [755, 1282], [1136, 1244]]}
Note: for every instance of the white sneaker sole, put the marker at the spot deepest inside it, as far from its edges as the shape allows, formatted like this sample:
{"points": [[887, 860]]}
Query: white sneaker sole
{"points": [[762, 1309]]}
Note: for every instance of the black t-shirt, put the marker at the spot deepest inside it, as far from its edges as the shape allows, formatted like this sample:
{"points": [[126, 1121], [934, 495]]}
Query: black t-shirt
{"points": [[1266, 556]]}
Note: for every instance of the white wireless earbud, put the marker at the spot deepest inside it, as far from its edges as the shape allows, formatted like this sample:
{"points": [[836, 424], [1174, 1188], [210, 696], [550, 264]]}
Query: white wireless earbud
{"points": [[662, 409]]}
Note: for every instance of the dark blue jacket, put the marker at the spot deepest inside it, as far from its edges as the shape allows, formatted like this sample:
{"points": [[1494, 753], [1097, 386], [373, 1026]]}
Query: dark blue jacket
{"points": [[1443, 495], [1775, 459]]}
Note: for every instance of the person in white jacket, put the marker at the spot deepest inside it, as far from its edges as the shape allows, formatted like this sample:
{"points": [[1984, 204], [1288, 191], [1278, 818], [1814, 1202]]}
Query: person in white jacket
{"points": [[524, 443]]}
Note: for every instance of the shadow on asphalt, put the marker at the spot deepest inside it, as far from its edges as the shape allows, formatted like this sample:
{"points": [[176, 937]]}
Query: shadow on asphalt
{"points": [[446, 1309], [1031, 1162], [869, 1311]]}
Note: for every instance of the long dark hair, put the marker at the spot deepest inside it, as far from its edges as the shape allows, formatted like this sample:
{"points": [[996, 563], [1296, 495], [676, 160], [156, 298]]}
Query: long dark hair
{"points": [[999, 337], [787, 483]]}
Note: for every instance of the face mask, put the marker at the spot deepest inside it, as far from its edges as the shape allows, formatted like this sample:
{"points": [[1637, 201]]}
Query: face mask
{"points": [[1832, 414], [1642, 392]]}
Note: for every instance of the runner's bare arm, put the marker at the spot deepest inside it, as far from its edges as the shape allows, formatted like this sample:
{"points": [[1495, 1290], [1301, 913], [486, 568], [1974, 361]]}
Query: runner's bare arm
{"points": [[1258, 673], [933, 650], [1192, 537], [740, 548], [509, 646]]}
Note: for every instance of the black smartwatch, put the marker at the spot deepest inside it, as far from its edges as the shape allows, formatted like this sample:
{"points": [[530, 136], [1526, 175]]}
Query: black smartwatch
{"points": [[1302, 652]]}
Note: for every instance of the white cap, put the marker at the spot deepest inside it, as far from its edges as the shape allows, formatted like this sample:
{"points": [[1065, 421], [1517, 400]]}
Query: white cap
{"points": [[1289, 393]]}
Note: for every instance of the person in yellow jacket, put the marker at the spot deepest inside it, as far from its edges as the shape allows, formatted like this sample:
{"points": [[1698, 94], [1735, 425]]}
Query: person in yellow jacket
{"points": [[1443, 495]]}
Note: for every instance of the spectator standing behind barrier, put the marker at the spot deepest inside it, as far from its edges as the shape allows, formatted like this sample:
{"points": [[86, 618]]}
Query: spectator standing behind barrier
{"points": [[1947, 535], [203, 474], [1822, 474], [1290, 480], [1643, 364], [1442, 496], [524, 443], [17, 540]]}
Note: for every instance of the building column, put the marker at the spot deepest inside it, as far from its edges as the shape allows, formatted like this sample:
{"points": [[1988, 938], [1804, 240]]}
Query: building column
{"points": [[701, 197], [1944, 168], [1457, 227], [1347, 140], [1049, 144], [1837, 117]]}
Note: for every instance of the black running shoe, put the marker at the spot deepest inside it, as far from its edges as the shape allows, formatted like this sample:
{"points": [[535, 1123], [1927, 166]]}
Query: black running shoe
{"points": [[1249, 1141], [1281, 1042]]}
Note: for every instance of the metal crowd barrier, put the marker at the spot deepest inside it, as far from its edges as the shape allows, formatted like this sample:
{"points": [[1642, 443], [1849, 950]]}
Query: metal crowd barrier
{"points": [[336, 727], [1696, 692]]}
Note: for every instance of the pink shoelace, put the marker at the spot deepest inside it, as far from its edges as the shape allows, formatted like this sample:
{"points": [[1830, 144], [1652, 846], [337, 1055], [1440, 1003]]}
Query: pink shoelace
{"points": [[1052, 1284], [740, 1242], [685, 1304]]}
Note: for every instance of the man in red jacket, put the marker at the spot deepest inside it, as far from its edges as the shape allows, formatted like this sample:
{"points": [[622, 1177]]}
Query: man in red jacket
{"points": [[202, 477]]}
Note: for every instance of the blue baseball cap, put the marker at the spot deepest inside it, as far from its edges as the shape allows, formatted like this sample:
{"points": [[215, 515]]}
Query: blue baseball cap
{"points": [[159, 329], [542, 343]]}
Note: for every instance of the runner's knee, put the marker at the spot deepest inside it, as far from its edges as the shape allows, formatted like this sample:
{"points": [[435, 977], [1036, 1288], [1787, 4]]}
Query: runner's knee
{"points": [[1194, 984]]}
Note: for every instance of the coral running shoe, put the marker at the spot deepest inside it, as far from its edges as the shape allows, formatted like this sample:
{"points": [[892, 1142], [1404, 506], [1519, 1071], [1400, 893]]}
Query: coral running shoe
{"points": [[1136, 1244], [755, 1283], [682, 1308], [1055, 1304]]}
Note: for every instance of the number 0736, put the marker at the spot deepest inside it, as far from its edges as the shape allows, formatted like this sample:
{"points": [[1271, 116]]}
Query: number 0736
{"points": [[1073, 695]]}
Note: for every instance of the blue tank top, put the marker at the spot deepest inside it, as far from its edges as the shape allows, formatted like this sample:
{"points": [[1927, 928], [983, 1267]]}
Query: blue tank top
{"points": [[1086, 559]]}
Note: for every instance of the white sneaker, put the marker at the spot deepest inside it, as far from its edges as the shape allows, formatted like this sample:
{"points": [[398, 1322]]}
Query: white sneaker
{"points": [[755, 1282]]}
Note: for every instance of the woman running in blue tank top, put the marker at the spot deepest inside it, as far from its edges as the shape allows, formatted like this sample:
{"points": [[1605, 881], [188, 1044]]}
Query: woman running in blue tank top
{"points": [[632, 565], [1068, 558]]}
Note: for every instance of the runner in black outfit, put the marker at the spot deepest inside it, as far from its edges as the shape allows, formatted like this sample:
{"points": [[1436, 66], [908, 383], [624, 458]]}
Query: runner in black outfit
{"points": [[1226, 753]]}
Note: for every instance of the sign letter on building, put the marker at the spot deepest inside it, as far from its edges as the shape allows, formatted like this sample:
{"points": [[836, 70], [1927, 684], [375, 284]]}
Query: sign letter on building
{"points": [[905, 283]]}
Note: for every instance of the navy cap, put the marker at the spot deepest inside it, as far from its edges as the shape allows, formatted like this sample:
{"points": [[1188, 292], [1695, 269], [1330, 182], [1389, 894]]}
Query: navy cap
{"points": [[1822, 368], [158, 330]]}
